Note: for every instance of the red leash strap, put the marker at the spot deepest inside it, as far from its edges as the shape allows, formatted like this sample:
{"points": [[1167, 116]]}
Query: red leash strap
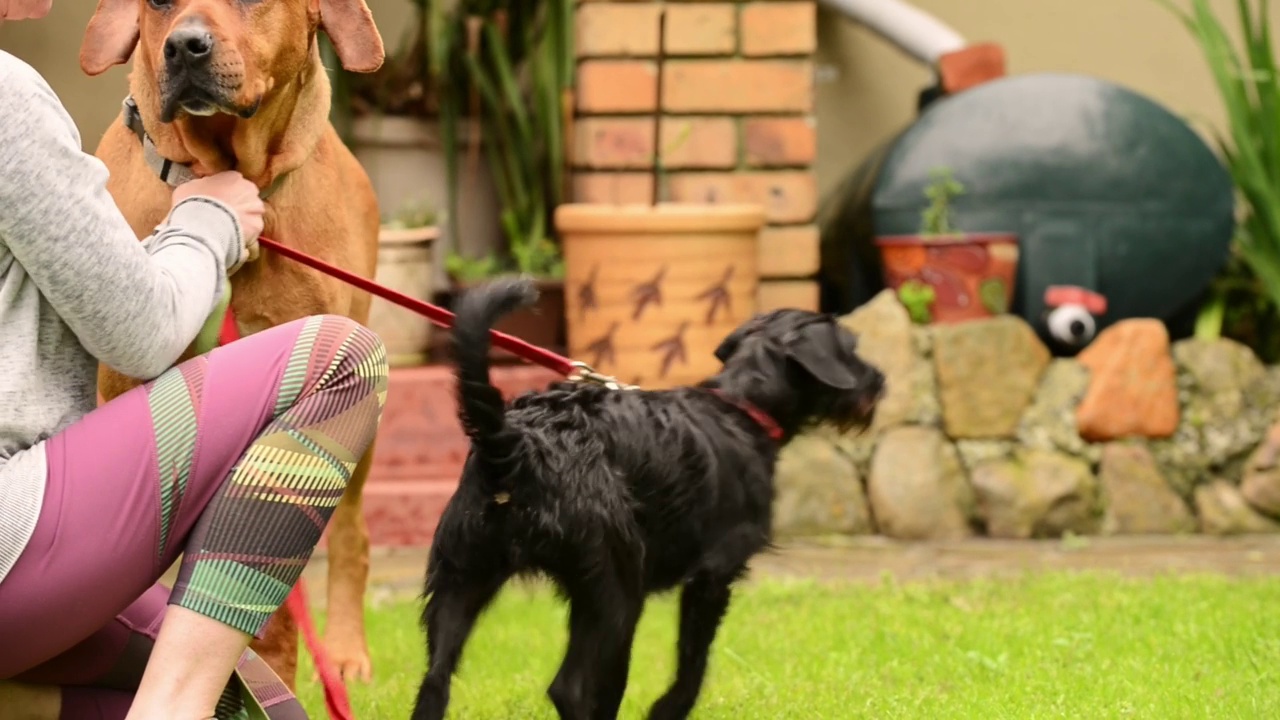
{"points": [[335, 693], [435, 314]]}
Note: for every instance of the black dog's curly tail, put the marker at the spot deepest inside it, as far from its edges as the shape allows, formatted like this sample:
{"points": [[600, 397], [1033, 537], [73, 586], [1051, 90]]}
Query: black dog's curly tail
{"points": [[480, 405]]}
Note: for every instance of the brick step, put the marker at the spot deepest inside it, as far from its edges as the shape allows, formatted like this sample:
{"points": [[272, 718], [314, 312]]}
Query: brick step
{"points": [[421, 449]]}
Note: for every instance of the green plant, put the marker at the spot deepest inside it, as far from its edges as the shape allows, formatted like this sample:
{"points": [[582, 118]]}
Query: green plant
{"points": [[517, 66], [413, 214], [917, 298], [465, 269], [936, 219], [503, 67], [1250, 91]]}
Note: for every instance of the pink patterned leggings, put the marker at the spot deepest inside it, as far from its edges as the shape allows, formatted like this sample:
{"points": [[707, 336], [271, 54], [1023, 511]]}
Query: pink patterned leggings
{"points": [[233, 461]]}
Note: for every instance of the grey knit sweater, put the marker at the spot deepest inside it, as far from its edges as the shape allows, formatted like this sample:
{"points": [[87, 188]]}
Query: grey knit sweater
{"points": [[76, 288]]}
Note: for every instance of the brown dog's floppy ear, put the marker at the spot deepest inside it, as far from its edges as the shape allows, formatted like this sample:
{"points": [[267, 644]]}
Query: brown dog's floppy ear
{"points": [[817, 349], [355, 37], [110, 37]]}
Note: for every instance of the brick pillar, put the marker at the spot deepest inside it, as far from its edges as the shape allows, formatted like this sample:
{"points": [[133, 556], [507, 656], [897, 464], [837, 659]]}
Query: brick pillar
{"points": [[737, 118]]}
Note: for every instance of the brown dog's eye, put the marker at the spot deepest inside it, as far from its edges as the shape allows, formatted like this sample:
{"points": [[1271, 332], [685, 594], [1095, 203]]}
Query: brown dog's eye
{"points": [[161, 4]]}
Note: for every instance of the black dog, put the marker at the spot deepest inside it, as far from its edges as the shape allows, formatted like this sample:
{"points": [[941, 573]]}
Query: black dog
{"points": [[615, 494]]}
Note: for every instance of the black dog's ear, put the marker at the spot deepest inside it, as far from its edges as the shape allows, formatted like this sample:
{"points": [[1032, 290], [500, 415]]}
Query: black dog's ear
{"points": [[818, 349], [729, 345]]}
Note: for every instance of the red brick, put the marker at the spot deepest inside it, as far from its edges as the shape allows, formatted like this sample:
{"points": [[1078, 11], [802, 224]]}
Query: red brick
{"points": [[702, 29], [789, 252], [738, 86], [697, 142], [618, 29], [788, 196], [616, 188], [613, 143], [779, 28], [617, 86], [780, 142]]}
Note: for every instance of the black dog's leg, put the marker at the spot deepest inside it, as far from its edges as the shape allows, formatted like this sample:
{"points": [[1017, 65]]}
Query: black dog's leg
{"points": [[703, 603], [450, 615], [603, 612], [615, 654]]}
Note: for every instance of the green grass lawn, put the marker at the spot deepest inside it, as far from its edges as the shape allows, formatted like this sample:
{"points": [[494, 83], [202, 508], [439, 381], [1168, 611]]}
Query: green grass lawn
{"points": [[1043, 646]]}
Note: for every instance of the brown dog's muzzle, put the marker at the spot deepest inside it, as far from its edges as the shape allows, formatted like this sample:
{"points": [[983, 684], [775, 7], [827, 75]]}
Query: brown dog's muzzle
{"points": [[200, 78]]}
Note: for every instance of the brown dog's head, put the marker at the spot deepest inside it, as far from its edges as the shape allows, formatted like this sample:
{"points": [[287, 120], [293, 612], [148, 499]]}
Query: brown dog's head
{"points": [[210, 56]]}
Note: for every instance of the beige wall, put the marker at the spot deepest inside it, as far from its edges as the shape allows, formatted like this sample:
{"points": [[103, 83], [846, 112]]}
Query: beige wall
{"points": [[868, 91], [1135, 43]]}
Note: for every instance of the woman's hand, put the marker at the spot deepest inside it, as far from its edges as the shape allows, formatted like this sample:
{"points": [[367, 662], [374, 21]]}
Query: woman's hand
{"points": [[231, 189]]}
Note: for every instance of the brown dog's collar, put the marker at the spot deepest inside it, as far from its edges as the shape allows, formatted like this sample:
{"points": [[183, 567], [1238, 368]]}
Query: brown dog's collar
{"points": [[172, 173], [762, 418]]}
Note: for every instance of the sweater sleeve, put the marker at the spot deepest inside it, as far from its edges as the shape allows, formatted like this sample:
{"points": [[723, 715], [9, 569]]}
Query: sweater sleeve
{"points": [[135, 306]]}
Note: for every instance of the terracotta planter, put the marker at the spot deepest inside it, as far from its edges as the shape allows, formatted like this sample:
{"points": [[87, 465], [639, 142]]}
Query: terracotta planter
{"points": [[650, 292], [969, 276], [542, 325], [405, 161], [405, 261]]}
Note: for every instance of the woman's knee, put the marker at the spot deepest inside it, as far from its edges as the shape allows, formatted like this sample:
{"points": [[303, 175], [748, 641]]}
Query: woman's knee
{"points": [[349, 348]]}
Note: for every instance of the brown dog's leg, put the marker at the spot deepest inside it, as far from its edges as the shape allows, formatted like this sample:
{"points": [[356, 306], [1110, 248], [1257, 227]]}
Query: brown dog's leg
{"points": [[279, 647], [348, 577]]}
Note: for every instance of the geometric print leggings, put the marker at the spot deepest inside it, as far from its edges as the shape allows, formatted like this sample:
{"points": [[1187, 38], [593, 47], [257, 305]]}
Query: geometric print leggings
{"points": [[234, 460]]}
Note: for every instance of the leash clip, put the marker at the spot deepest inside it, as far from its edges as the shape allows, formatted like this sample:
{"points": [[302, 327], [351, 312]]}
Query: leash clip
{"points": [[584, 373]]}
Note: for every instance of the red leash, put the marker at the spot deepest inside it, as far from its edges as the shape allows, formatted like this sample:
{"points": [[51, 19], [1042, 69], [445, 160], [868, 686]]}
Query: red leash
{"points": [[434, 313], [335, 693]]}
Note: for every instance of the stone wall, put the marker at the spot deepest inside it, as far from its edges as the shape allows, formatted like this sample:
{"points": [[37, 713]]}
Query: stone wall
{"points": [[736, 121], [983, 433]]}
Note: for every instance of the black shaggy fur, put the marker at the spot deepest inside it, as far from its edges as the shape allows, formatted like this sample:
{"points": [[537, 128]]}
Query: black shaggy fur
{"points": [[615, 494]]}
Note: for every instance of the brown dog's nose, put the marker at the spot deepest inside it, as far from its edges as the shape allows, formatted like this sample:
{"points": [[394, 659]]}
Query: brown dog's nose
{"points": [[188, 45]]}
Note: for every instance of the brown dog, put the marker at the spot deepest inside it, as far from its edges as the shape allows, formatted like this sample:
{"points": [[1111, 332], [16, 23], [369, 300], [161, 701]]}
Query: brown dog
{"points": [[229, 84]]}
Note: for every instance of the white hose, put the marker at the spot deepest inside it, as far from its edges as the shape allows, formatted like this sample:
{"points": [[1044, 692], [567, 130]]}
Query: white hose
{"points": [[914, 31]]}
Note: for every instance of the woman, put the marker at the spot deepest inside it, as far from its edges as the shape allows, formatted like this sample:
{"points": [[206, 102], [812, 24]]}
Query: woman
{"points": [[233, 460]]}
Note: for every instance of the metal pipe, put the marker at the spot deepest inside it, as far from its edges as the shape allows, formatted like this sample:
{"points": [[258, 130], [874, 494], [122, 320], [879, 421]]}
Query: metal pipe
{"points": [[912, 30]]}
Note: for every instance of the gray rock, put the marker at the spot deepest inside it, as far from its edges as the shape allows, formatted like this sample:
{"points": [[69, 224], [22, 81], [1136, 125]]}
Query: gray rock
{"points": [[918, 488], [988, 371], [857, 446], [976, 452], [1228, 401], [1050, 422], [818, 491], [1218, 366], [1180, 459], [1223, 511], [886, 339], [1261, 485], [1137, 498], [1036, 494]]}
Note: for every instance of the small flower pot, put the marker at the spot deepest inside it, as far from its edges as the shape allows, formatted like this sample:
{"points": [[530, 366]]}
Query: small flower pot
{"points": [[954, 278], [404, 264]]}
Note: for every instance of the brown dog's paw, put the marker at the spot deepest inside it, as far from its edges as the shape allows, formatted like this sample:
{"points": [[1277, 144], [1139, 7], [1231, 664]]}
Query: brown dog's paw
{"points": [[350, 660]]}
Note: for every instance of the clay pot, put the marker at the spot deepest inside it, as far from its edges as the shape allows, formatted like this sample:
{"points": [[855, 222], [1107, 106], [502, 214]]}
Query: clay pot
{"points": [[405, 265], [651, 291], [968, 275]]}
